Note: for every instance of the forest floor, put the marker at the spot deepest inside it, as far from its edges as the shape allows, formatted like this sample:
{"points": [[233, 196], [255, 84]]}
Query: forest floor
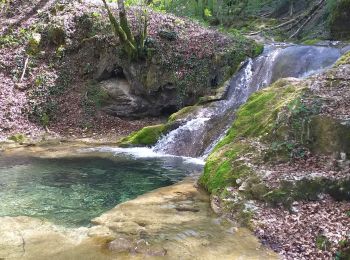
{"points": [[15, 21], [311, 230]]}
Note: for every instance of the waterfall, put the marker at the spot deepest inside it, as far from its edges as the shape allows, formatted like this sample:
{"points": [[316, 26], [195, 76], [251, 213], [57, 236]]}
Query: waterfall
{"points": [[200, 131]]}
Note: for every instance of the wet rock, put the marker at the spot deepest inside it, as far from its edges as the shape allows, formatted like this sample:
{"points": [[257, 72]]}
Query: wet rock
{"points": [[121, 245], [232, 230], [220, 94], [126, 227], [215, 205], [184, 208], [99, 231], [145, 248], [29, 237]]}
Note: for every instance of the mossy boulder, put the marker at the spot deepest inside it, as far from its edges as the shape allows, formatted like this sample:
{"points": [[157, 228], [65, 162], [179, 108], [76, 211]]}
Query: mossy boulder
{"points": [[147, 136], [345, 59], [329, 136], [182, 113], [256, 119]]}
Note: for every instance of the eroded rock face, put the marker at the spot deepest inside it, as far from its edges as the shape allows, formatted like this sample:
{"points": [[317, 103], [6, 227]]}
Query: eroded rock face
{"points": [[174, 73], [330, 136], [120, 100]]}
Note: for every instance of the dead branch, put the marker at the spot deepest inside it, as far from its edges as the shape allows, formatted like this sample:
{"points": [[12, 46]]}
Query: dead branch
{"points": [[295, 21], [24, 69], [310, 15]]}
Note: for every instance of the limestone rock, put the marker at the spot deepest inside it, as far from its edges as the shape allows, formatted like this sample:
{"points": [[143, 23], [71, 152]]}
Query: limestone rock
{"points": [[121, 102], [120, 245]]}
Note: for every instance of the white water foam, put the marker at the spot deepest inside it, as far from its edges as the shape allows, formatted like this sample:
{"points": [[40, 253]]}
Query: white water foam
{"points": [[142, 153]]}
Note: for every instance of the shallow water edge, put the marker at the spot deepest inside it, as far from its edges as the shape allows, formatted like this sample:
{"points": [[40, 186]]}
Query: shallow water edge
{"points": [[174, 222]]}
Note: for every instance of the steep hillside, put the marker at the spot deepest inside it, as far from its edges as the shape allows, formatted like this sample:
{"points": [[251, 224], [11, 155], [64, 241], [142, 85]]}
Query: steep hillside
{"points": [[290, 20], [62, 68]]}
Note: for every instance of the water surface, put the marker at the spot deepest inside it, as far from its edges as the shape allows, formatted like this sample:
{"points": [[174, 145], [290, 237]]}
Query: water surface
{"points": [[71, 190]]}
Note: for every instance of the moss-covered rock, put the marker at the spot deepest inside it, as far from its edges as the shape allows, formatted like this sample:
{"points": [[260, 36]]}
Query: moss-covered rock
{"points": [[328, 136], [182, 113], [175, 72], [345, 59], [147, 136], [255, 119], [277, 126]]}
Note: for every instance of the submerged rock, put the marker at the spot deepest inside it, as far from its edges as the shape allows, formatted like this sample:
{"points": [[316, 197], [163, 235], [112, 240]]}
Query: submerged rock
{"points": [[165, 231], [121, 245]]}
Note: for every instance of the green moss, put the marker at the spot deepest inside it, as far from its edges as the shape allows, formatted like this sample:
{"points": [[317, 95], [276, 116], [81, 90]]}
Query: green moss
{"points": [[18, 138], [222, 169], [259, 48], [34, 42], [146, 136], [322, 243], [257, 117], [311, 41], [345, 59], [182, 113], [344, 250]]}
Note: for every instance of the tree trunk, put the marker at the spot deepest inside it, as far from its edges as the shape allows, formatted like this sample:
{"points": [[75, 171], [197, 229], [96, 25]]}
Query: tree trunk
{"points": [[124, 21], [127, 43], [291, 8]]}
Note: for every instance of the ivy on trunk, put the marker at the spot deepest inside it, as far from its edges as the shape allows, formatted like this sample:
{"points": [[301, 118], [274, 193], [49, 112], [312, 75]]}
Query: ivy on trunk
{"points": [[133, 46]]}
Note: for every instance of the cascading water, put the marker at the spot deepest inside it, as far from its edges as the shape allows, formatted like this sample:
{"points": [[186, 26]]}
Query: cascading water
{"points": [[201, 130]]}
